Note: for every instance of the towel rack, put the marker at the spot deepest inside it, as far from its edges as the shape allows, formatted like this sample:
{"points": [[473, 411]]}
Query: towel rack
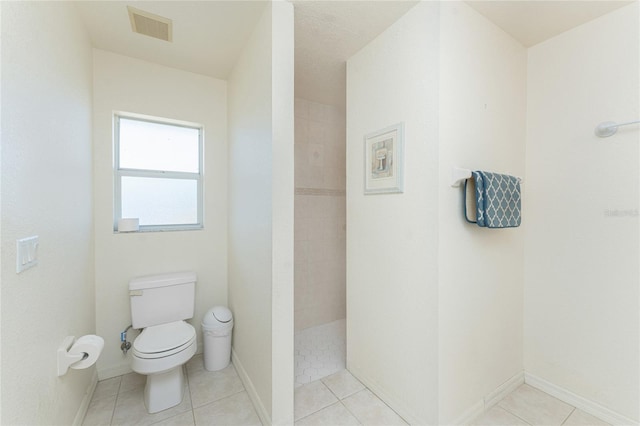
{"points": [[609, 128], [458, 175]]}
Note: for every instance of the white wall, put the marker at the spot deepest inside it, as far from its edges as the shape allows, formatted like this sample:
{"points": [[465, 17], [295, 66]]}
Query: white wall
{"points": [[320, 214], [282, 104], [392, 290], [0, 214], [581, 282], [261, 213], [482, 127], [131, 85], [46, 191], [452, 291]]}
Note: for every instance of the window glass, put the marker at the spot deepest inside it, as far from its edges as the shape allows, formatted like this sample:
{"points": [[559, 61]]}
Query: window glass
{"points": [[158, 176], [155, 146], [157, 201]]}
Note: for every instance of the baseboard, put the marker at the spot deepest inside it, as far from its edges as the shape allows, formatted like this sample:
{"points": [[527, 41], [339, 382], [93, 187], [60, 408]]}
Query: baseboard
{"points": [[489, 400], [265, 418], [578, 401], [84, 406], [562, 394], [472, 413], [503, 390], [396, 405]]}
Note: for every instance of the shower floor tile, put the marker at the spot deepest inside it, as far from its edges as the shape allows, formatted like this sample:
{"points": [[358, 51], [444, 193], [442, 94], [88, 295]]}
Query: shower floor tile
{"points": [[320, 351]]}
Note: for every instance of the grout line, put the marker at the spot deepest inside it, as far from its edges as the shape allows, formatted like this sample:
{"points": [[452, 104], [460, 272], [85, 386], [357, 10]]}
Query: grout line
{"points": [[565, 420], [350, 412], [315, 412], [321, 408], [115, 404], [513, 414], [320, 192], [376, 396], [119, 385], [221, 399], [388, 406], [185, 371], [330, 390]]}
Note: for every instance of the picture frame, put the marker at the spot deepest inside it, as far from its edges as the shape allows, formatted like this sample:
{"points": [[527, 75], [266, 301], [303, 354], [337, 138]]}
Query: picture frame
{"points": [[384, 160]]}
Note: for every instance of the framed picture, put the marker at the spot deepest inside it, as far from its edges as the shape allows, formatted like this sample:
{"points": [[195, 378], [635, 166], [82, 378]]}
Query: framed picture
{"points": [[383, 160]]}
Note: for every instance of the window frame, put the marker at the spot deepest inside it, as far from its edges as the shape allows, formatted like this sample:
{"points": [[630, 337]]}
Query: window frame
{"points": [[119, 173]]}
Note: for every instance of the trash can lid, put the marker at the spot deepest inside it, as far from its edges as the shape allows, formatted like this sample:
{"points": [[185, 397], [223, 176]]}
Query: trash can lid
{"points": [[218, 315]]}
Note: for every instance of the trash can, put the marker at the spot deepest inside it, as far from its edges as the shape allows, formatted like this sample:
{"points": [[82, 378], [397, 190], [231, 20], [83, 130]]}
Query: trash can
{"points": [[216, 328]]}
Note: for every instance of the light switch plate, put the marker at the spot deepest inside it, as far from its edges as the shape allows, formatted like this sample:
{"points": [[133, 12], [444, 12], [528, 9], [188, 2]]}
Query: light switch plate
{"points": [[26, 253]]}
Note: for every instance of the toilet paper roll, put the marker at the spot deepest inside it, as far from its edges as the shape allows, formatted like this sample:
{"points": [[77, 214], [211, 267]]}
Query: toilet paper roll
{"points": [[91, 345]]}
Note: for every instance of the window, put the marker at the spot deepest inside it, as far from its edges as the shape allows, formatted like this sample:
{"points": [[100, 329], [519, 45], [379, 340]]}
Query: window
{"points": [[158, 173]]}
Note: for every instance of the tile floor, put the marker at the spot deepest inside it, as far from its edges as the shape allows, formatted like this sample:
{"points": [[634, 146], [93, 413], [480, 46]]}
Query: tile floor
{"points": [[325, 394], [530, 406], [320, 351], [211, 398], [340, 399], [219, 398]]}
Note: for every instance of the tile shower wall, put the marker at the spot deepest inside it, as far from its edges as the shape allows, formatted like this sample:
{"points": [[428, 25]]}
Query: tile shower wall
{"points": [[320, 214]]}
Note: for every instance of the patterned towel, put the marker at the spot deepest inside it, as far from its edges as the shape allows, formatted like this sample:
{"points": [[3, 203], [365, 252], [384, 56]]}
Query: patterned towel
{"points": [[497, 200]]}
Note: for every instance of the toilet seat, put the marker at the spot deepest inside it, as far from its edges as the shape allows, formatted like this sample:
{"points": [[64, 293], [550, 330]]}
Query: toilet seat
{"points": [[164, 340]]}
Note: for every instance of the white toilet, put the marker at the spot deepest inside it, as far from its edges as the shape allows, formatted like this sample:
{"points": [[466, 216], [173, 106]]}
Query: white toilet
{"points": [[159, 305]]}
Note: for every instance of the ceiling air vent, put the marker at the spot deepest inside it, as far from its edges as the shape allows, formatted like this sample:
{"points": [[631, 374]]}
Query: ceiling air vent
{"points": [[150, 25]]}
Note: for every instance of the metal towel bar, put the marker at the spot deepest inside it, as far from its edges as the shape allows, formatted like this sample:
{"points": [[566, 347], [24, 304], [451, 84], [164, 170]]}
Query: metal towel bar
{"points": [[609, 128]]}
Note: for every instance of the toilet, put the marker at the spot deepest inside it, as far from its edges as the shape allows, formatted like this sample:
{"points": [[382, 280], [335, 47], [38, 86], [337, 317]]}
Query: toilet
{"points": [[160, 304]]}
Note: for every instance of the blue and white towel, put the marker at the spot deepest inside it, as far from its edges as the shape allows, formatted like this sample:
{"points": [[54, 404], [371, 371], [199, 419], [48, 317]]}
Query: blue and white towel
{"points": [[497, 200]]}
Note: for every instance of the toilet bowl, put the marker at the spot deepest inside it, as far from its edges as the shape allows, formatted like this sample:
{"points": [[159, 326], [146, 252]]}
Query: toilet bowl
{"points": [[159, 306], [159, 352]]}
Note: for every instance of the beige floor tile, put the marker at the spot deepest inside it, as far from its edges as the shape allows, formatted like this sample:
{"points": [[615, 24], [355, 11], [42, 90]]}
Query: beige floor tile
{"points": [[231, 411], [184, 419], [536, 407], [310, 398], [132, 381], [130, 409], [100, 411], [580, 418], [196, 363], [370, 410], [209, 386], [333, 415], [343, 384], [497, 416], [106, 388]]}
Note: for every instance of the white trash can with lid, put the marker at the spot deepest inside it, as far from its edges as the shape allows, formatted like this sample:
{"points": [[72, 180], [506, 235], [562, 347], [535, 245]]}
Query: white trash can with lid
{"points": [[216, 327]]}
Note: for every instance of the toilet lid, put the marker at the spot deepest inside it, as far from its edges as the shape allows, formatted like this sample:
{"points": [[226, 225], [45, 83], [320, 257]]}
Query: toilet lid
{"points": [[164, 337]]}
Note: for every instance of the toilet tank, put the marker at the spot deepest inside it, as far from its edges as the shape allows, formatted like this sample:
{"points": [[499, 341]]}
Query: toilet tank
{"points": [[159, 299]]}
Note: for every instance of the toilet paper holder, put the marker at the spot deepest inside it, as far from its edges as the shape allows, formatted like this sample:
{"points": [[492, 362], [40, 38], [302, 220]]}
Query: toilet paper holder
{"points": [[70, 355]]}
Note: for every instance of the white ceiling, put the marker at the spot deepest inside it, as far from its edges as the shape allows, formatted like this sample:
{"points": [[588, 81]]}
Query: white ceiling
{"points": [[209, 35], [330, 32], [532, 22]]}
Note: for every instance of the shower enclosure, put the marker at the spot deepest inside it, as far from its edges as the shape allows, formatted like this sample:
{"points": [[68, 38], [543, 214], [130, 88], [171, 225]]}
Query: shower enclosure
{"points": [[320, 226]]}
